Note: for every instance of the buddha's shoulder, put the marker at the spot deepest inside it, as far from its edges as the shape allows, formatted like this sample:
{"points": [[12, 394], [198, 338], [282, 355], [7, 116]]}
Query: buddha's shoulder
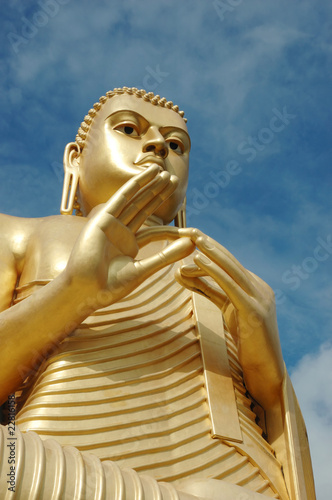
{"points": [[31, 224], [11, 225], [20, 230]]}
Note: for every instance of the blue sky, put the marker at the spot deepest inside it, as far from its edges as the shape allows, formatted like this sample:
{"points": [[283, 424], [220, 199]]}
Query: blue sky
{"points": [[254, 80]]}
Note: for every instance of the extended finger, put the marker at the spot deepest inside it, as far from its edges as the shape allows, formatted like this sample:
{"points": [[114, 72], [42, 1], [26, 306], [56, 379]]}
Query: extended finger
{"points": [[158, 233], [191, 282], [171, 233], [120, 199], [144, 196], [152, 206], [220, 256], [233, 290], [172, 253], [201, 286], [191, 271]]}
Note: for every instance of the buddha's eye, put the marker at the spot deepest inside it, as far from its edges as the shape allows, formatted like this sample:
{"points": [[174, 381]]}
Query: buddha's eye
{"points": [[176, 147], [127, 130]]}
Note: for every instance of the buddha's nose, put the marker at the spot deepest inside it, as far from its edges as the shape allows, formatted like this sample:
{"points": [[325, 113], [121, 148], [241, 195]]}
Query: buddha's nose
{"points": [[155, 143]]}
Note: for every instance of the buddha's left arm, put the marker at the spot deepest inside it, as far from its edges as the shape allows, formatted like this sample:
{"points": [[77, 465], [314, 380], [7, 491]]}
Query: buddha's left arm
{"points": [[249, 305]]}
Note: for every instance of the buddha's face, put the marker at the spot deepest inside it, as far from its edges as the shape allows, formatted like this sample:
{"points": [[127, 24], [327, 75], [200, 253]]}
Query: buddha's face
{"points": [[126, 136]]}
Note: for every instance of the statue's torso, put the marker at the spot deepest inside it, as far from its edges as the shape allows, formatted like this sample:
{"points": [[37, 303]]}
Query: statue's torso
{"points": [[129, 386]]}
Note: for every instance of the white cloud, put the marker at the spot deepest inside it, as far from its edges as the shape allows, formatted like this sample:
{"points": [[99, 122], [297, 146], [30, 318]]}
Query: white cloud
{"points": [[312, 379]]}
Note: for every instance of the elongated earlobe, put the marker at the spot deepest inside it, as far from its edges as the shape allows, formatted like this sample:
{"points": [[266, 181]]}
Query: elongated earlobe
{"points": [[180, 218], [70, 183]]}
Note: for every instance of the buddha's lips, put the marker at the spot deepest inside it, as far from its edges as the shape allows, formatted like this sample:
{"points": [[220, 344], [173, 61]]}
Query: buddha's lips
{"points": [[149, 160]]}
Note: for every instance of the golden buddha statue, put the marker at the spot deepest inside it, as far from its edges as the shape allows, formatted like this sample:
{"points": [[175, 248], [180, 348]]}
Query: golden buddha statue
{"points": [[143, 359]]}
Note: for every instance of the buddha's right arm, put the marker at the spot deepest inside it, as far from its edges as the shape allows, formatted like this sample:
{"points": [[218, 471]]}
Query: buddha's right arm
{"points": [[33, 325], [30, 328], [44, 470]]}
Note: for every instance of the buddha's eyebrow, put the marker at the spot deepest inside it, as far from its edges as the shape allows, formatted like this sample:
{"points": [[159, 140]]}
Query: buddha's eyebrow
{"points": [[129, 111]]}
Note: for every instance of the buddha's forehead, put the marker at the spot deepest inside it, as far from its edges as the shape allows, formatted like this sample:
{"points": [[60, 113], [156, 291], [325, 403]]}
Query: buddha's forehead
{"points": [[156, 115]]}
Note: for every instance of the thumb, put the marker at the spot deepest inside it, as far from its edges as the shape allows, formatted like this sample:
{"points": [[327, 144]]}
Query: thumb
{"points": [[174, 252], [126, 274]]}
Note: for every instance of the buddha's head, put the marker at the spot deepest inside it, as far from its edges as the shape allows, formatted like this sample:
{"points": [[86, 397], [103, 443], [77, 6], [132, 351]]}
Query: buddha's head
{"points": [[127, 131]]}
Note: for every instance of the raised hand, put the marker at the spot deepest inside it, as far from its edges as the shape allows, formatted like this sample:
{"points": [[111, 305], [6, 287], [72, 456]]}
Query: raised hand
{"points": [[103, 256], [101, 269]]}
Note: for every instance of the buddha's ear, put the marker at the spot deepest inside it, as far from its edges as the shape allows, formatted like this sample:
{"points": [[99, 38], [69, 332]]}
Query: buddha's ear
{"points": [[70, 183]]}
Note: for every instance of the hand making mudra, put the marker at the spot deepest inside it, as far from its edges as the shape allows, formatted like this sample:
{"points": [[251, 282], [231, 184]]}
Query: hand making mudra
{"points": [[144, 358]]}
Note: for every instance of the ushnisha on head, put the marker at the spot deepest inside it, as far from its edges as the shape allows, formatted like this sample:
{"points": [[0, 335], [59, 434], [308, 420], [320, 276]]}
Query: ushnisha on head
{"points": [[125, 132]]}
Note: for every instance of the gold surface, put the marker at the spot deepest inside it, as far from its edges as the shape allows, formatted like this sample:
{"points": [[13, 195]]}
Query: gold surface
{"points": [[219, 384], [130, 384]]}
